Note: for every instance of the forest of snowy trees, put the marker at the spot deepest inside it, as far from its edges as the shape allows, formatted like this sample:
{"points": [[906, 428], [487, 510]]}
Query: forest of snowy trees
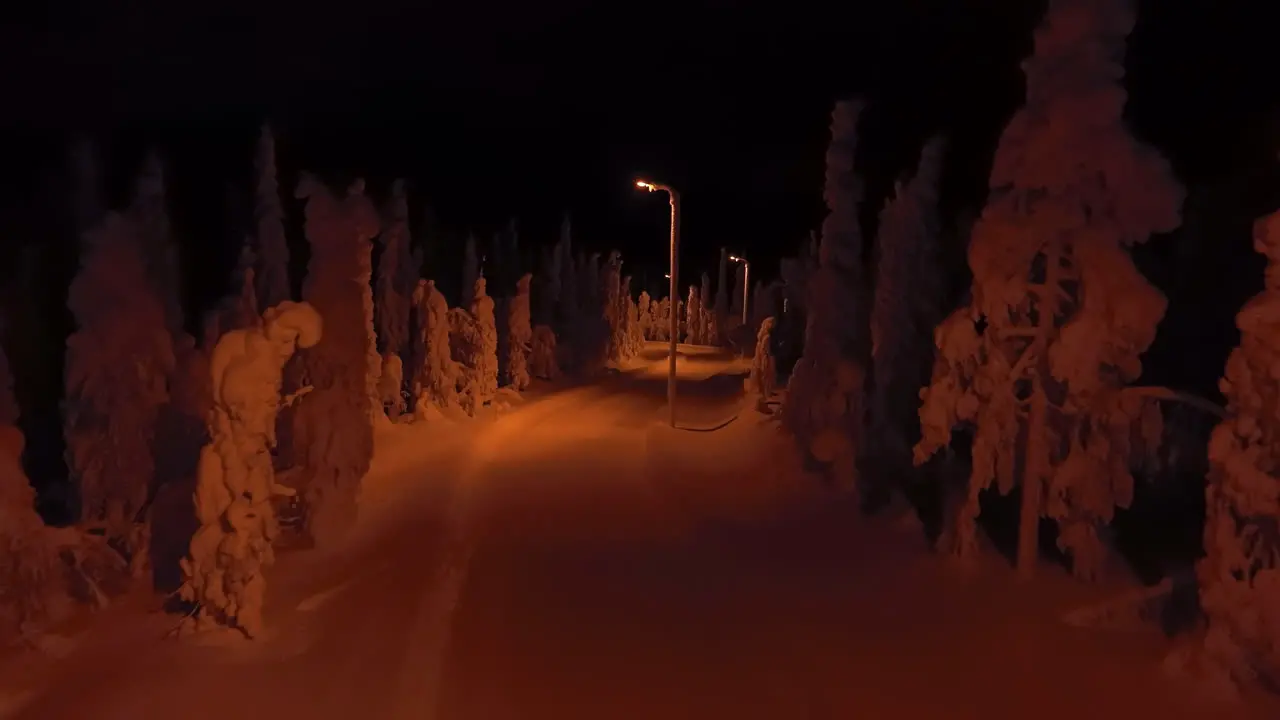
{"points": [[896, 367]]}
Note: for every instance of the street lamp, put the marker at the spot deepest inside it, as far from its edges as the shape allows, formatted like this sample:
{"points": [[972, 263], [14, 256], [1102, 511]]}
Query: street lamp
{"points": [[746, 283], [673, 276]]}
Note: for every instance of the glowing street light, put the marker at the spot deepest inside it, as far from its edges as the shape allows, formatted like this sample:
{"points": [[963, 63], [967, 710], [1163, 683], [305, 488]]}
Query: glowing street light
{"points": [[746, 284], [674, 292]]}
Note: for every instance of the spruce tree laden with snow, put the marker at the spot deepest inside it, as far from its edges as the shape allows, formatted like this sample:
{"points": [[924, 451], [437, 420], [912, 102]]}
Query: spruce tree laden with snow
{"points": [[149, 213], [763, 379], [332, 436], [436, 382], [397, 280], [644, 316], [519, 334], [635, 331], [615, 308], [1039, 361], [118, 364], [271, 251], [692, 313], [476, 334], [722, 297], [823, 407], [31, 574], [544, 361], [1240, 573], [470, 272], [705, 312], [910, 292], [226, 564]]}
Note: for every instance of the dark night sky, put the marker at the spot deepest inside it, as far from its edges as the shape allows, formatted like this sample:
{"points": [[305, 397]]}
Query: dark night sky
{"points": [[509, 109]]}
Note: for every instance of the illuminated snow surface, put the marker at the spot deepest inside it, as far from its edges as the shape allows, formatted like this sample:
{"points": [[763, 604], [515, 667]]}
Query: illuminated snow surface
{"points": [[575, 558]]}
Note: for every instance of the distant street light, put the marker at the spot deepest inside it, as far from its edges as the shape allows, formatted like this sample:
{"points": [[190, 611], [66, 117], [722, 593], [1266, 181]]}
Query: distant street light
{"points": [[746, 283], [673, 276]]}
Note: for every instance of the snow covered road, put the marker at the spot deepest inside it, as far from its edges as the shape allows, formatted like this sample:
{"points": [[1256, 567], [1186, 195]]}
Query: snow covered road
{"points": [[577, 559]]}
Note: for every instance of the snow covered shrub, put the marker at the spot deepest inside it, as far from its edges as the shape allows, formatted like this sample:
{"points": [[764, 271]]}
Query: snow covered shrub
{"points": [[823, 407], [1240, 574], [225, 568], [764, 372], [436, 382], [910, 290], [271, 271], [331, 434], [118, 364], [543, 361], [519, 334], [1059, 315]]}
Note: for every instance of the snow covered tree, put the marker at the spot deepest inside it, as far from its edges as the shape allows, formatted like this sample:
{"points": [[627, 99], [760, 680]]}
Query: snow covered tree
{"points": [[470, 271], [239, 309], [764, 371], [519, 334], [796, 273], [735, 298], [271, 251], [397, 277], [1038, 362], [644, 315], [477, 345], [910, 292], [118, 363], [705, 312], [722, 297], [635, 331], [692, 313], [8, 401], [567, 305], [151, 217], [436, 379], [662, 320], [1240, 573], [543, 360], [332, 436], [229, 554], [615, 307], [823, 407], [32, 585], [397, 280]]}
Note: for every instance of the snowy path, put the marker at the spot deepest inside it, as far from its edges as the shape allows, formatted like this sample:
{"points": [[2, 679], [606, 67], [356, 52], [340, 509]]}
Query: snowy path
{"points": [[582, 561]]}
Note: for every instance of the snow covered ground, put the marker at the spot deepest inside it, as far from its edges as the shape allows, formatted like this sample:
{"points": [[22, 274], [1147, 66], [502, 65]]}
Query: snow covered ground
{"points": [[576, 558]]}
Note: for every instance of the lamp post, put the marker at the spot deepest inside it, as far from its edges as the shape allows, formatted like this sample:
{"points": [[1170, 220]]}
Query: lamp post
{"points": [[746, 283], [673, 293]]}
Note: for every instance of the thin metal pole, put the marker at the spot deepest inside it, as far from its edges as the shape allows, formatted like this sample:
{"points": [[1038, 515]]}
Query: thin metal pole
{"points": [[675, 298], [746, 285]]}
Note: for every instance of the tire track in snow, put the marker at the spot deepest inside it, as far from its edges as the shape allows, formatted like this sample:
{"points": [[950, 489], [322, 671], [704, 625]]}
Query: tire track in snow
{"points": [[422, 669]]}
